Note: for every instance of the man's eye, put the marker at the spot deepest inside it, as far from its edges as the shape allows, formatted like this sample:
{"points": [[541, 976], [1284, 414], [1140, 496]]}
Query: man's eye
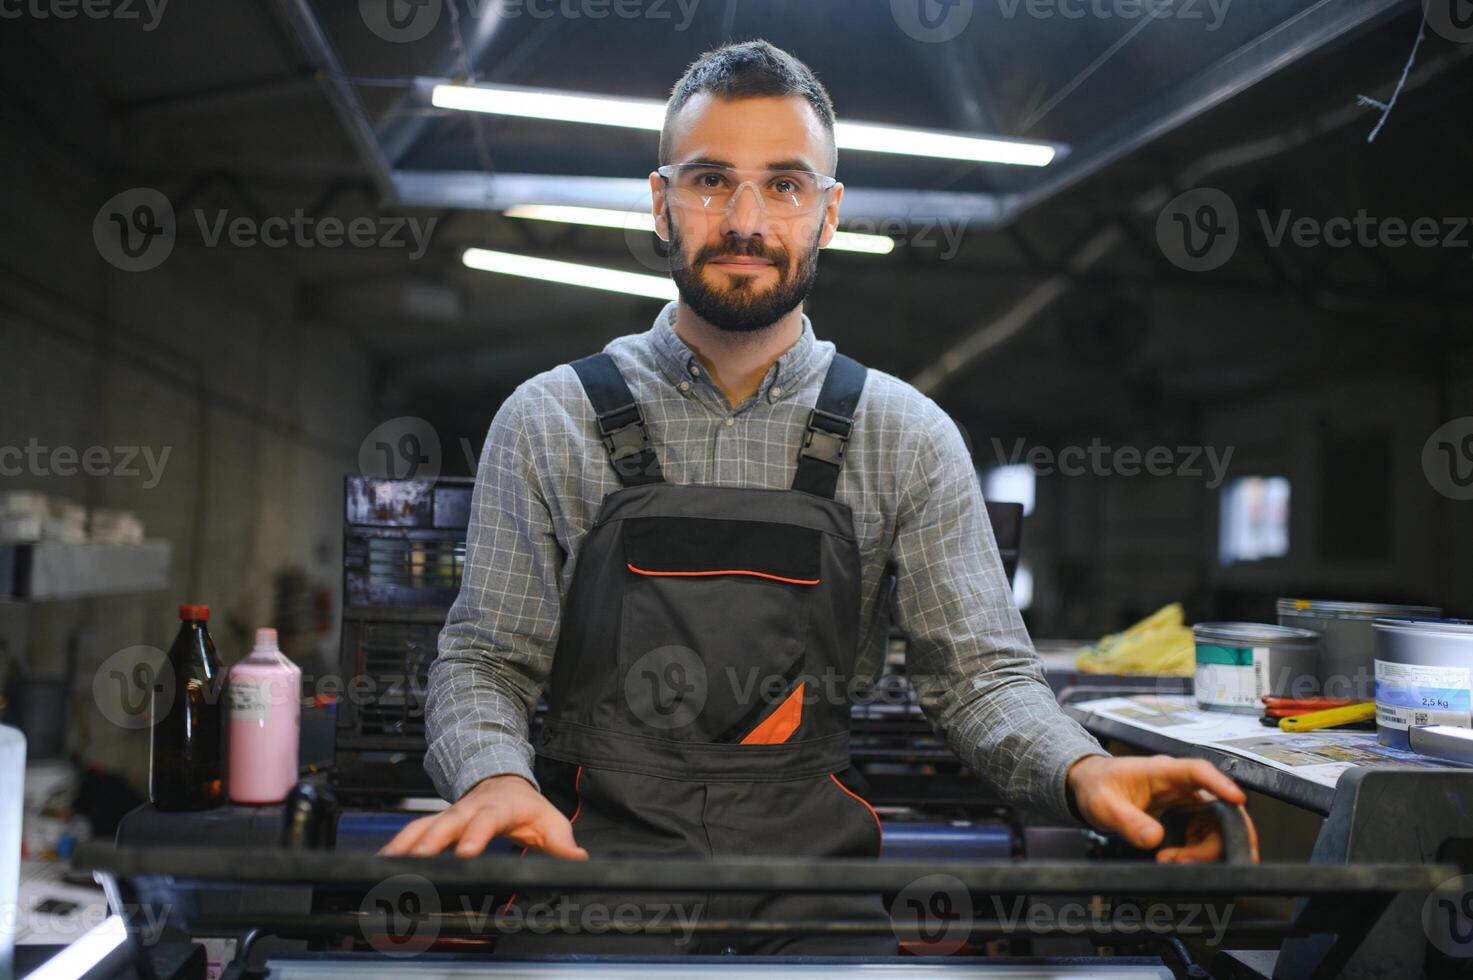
{"points": [[785, 185], [709, 180]]}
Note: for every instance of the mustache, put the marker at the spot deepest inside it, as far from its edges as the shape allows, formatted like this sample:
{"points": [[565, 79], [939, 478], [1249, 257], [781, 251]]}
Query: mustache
{"points": [[750, 248]]}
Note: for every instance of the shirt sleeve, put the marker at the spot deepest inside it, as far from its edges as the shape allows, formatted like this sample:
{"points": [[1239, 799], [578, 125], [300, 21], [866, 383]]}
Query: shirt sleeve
{"points": [[975, 671], [496, 649]]}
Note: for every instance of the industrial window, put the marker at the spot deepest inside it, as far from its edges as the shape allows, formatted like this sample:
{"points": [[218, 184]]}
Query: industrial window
{"points": [[1254, 519], [1016, 483]]}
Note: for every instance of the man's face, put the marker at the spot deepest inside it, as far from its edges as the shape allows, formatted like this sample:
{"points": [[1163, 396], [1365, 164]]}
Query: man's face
{"points": [[744, 268]]}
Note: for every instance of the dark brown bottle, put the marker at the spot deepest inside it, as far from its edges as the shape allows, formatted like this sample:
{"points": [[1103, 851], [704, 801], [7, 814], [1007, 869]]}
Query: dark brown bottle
{"points": [[184, 758]]}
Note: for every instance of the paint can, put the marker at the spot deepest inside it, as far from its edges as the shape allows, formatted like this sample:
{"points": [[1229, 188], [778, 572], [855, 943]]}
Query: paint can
{"points": [[1238, 664], [1348, 656], [1424, 676]]}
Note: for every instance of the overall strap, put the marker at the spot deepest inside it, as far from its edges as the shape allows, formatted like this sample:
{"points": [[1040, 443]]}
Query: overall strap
{"points": [[620, 423], [822, 455]]}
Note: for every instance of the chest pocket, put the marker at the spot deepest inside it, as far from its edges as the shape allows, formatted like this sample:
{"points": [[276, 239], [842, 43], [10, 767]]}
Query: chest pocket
{"points": [[713, 628]]}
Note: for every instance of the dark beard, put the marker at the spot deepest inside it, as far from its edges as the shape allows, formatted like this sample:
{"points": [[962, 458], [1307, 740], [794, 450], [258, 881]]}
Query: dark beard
{"points": [[742, 308]]}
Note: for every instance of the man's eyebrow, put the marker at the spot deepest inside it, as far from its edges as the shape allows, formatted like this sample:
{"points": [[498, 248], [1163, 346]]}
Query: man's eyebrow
{"points": [[792, 163]]}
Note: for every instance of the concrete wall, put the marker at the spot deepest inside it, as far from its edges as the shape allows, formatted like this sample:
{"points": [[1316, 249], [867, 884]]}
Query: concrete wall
{"points": [[204, 358]]}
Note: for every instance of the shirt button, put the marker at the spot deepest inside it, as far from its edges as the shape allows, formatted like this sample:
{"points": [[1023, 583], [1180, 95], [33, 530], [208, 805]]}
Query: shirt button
{"points": [[695, 371], [777, 391], [730, 421], [685, 386]]}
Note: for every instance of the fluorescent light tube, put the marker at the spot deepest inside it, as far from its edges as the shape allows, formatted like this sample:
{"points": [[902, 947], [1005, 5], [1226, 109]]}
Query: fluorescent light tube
{"points": [[570, 273], [649, 114]]}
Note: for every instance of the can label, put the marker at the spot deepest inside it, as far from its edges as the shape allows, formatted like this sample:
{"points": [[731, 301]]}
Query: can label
{"points": [[1229, 677], [1413, 695]]}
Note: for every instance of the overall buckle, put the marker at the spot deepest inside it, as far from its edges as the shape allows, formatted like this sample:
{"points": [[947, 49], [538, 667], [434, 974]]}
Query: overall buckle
{"points": [[822, 443]]}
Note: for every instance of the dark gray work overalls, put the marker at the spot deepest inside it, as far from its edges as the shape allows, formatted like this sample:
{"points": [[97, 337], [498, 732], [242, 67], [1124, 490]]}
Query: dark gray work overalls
{"points": [[697, 701]]}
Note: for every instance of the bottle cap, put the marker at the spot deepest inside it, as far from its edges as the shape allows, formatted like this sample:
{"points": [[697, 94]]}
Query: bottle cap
{"points": [[194, 612], [266, 640]]}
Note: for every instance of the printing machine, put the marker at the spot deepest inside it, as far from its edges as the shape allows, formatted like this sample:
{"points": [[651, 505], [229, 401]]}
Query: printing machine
{"points": [[298, 891]]}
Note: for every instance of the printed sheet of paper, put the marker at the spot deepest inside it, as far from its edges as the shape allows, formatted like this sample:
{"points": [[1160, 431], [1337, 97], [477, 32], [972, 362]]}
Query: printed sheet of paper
{"points": [[1319, 756]]}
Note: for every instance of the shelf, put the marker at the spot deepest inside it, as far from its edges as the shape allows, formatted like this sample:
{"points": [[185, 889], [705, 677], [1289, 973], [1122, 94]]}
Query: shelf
{"points": [[49, 570]]}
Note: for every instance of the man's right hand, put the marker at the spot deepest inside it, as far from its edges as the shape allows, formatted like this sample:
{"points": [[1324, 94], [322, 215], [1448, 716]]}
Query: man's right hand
{"points": [[499, 806]]}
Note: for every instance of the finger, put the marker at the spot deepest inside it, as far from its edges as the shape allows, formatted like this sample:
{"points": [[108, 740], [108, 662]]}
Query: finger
{"points": [[549, 833], [1204, 841], [1119, 814], [405, 838], [485, 825], [442, 832], [1189, 775]]}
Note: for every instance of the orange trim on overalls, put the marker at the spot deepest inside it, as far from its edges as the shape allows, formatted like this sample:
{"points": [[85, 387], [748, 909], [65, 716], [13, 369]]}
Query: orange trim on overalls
{"points": [[853, 795], [577, 780], [728, 571], [779, 726]]}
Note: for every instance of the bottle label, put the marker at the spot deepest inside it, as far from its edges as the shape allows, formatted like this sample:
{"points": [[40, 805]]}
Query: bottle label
{"points": [[250, 701]]}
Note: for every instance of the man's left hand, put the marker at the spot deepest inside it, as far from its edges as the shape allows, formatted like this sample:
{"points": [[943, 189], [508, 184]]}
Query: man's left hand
{"points": [[1125, 795]]}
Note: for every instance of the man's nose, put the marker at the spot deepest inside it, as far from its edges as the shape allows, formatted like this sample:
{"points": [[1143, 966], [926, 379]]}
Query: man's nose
{"points": [[745, 213]]}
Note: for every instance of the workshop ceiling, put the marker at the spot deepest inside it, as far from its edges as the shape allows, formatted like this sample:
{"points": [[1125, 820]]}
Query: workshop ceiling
{"points": [[226, 103]]}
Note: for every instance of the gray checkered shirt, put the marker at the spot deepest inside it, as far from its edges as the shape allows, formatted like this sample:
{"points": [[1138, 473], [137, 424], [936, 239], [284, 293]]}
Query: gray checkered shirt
{"points": [[907, 476]]}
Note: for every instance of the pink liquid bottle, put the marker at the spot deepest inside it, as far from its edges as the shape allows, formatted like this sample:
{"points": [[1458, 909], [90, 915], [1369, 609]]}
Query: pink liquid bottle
{"points": [[265, 721]]}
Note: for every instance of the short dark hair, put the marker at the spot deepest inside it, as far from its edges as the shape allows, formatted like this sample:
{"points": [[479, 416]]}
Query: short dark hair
{"points": [[748, 69]]}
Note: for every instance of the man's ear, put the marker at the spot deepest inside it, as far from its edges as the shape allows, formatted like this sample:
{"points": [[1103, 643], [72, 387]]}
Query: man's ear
{"points": [[831, 215], [657, 203]]}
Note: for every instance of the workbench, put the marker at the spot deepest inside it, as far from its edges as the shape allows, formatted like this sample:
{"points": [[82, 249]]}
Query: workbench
{"points": [[1378, 804]]}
